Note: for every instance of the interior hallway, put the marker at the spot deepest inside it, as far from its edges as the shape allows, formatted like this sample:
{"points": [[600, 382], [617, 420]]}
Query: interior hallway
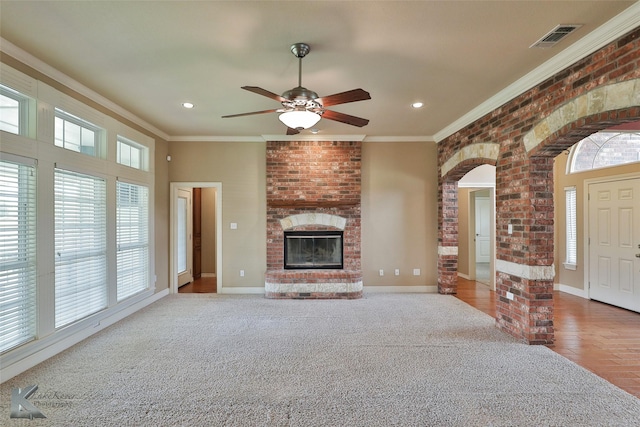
{"points": [[597, 336], [203, 285]]}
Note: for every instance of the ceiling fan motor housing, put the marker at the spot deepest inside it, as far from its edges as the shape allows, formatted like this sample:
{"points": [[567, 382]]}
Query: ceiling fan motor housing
{"points": [[302, 98]]}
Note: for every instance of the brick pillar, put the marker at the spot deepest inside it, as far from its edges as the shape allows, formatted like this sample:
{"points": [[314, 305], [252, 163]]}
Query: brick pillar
{"points": [[447, 237], [524, 265]]}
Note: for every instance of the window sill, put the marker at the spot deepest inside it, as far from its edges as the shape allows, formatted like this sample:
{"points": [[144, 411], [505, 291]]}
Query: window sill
{"points": [[568, 266]]}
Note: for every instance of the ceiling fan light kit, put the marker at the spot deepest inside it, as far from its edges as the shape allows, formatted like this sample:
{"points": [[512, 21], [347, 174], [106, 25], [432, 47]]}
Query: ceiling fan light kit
{"points": [[303, 108], [299, 119]]}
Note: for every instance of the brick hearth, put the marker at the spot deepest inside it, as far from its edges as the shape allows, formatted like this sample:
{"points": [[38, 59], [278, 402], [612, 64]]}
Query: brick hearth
{"points": [[313, 186]]}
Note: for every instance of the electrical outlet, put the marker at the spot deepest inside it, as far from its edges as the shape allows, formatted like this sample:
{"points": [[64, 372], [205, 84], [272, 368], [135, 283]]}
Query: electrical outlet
{"points": [[509, 296], [416, 271], [397, 272], [233, 225], [381, 272], [241, 273], [510, 229]]}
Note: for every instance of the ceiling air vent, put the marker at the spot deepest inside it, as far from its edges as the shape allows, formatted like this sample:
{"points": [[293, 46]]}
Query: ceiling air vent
{"points": [[554, 36]]}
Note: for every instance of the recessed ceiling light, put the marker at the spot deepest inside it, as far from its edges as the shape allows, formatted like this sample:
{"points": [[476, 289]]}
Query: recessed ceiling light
{"points": [[314, 131], [187, 105], [417, 105]]}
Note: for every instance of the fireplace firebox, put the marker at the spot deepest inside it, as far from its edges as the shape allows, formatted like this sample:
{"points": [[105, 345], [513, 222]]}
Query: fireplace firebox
{"points": [[313, 250]]}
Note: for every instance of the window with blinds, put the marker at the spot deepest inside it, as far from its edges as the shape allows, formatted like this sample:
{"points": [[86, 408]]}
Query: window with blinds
{"points": [[132, 239], [17, 254], [80, 246], [572, 228]]}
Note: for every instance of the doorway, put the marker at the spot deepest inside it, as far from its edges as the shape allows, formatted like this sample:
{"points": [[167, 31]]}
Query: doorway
{"points": [[477, 225], [195, 234], [482, 234], [613, 243]]}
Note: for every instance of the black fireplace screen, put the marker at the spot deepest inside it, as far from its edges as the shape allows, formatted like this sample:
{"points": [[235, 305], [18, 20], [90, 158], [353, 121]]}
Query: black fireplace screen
{"points": [[313, 249]]}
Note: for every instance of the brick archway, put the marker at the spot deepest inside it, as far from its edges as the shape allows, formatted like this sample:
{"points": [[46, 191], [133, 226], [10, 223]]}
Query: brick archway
{"points": [[525, 264], [597, 92], [454, 168]]}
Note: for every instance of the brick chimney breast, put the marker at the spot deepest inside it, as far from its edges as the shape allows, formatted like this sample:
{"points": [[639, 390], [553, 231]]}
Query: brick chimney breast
{"points": [[313, 186]]}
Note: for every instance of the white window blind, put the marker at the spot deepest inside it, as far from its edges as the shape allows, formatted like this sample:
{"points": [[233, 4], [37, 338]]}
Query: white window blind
{"points": [[17, 254], [571, 236], [132, 239], [80, 246]]}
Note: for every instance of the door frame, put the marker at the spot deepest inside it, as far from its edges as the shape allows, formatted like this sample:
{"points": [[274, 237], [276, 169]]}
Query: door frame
{"points": [[173, 231], [492, 232], [587, 220], [184, 277]]}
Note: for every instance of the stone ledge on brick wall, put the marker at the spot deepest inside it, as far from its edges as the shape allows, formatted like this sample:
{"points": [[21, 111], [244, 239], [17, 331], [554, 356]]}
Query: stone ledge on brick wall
{"points": [[313, 284], [604, 98], [481, 150], [313, 218], [530, 272]]}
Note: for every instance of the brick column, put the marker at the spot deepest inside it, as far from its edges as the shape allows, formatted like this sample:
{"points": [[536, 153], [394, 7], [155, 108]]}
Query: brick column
{"points": [[447, 237], [524, 265]]}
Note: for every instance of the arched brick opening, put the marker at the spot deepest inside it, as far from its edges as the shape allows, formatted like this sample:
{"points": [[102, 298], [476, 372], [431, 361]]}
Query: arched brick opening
{"points": [[525, 273], [448, 220], [597, 92]]}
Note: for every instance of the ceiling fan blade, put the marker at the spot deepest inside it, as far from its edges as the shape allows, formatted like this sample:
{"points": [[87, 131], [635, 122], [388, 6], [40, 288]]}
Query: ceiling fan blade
{"points": [[344, 97], [292, 131], [249, 114], [344, 118], [264, 92]]}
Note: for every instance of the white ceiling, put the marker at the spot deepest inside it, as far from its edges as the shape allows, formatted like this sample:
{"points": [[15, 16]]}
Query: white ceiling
{"points": [[150, 56]]}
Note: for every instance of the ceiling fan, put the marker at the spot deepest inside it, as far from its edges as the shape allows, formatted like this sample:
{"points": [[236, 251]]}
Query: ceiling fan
{"points": [[302, 108]]}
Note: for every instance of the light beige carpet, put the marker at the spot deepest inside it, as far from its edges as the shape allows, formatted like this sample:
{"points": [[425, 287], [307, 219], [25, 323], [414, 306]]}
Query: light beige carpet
{"points": [[384, 360]]}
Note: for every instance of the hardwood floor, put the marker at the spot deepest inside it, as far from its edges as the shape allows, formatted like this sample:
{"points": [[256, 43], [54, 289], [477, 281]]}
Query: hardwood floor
{"points": [[202, 285], [599, 337]]}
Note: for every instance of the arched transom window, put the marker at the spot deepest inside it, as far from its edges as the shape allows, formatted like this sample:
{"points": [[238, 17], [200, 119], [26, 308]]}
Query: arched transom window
{"points": [[606, 149]]}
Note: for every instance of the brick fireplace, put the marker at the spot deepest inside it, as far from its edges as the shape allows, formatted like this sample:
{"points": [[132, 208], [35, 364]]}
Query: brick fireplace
{"points": [[313, 186]]}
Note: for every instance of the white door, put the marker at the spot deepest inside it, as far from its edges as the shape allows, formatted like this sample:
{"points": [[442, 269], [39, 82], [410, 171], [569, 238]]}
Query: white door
{"points": [[483, 229], [614, 243], [183, 240]]}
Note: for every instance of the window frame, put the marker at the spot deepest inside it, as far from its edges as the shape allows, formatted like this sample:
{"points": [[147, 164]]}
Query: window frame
{"points": [[143, 150], [23, 109], [571, 228], [67, 117], [95, 254], [19, 306], [576, 149], [124, 289]]}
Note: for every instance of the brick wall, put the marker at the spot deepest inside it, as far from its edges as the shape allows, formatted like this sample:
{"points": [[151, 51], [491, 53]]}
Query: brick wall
{"points": [[313, 177], [531, 130]]}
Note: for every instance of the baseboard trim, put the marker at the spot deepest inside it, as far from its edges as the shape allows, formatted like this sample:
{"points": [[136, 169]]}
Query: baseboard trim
{"points": [[208, 275], [240, 290], [56, 346], [400, 289], [582, 293], [464, 276]]}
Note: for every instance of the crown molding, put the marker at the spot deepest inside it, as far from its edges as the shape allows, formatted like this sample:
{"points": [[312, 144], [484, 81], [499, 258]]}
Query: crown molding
{"points": [[203, 138], [46, 69], [313, 137], [611, 30], [263, 138], [425, 138]]}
